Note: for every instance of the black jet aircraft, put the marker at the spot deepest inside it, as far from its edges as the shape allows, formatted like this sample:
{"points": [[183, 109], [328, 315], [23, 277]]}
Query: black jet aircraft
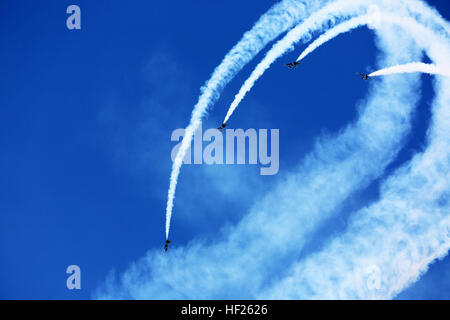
{"points": [[364, 76], [166, 245], [292, 64], [222, 126]]}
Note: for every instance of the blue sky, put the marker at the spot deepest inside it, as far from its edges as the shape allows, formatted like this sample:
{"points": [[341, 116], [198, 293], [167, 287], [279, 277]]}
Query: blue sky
{"points": [[86, 118]]}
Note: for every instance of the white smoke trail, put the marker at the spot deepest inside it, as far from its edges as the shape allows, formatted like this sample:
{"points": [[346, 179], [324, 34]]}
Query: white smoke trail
{"points": [[332, 33], [411, 68], [335, 10], [278, 19]]}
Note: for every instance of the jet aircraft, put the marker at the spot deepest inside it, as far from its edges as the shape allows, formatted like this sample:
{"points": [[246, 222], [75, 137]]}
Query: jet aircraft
{"points": [[166, 245], [364, 76], [222, 126], [292, 64]]}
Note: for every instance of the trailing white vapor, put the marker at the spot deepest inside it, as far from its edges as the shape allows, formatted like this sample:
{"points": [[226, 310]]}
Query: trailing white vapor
{"points": [[278, 19], [408, 226], [332, 33], [428, 68], [323, 18]]}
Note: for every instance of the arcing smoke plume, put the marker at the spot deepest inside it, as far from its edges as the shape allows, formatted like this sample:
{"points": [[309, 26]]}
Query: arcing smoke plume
{"points": [[278, 19], [330, 34]]}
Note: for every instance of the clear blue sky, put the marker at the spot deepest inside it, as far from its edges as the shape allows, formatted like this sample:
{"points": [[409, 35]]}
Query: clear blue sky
{"points": [[85, 124]]}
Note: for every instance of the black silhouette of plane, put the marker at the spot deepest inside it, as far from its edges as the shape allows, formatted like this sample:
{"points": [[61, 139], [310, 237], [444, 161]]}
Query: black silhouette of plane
{"points": [[364, 76], [166, 245], [292, 64], [222, 126]]}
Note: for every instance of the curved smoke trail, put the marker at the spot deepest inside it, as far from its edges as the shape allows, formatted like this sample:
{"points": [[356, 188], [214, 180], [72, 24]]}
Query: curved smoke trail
{"points": [[278, 19], [411, 68], [332, 33]]}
